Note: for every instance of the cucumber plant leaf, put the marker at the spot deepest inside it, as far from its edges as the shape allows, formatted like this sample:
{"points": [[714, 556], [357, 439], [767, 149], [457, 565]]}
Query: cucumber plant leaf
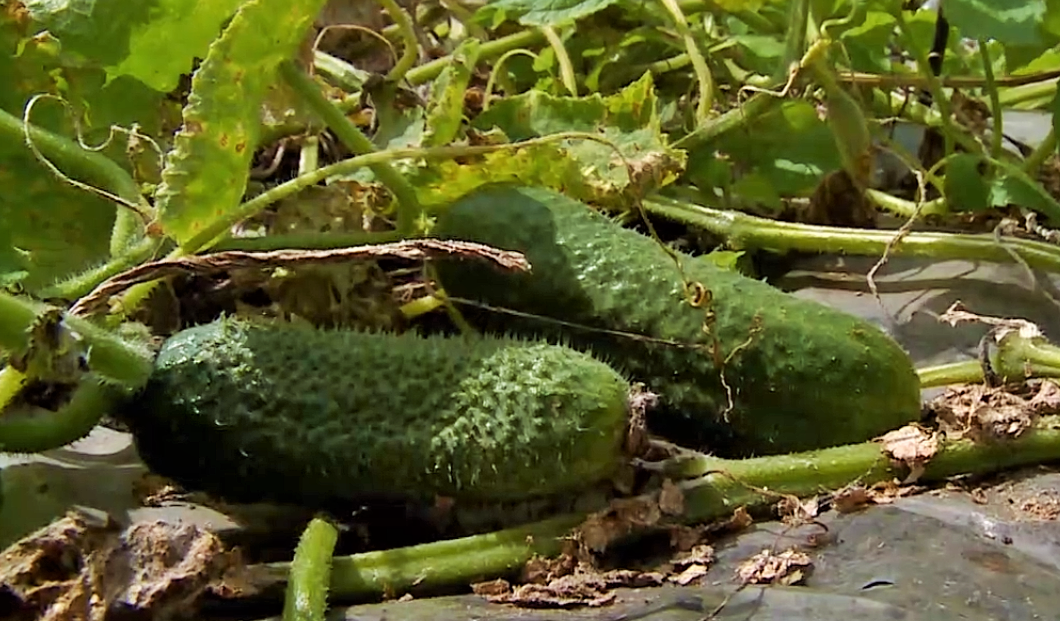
{"points": [[445, 113], [53, 228], [628, 120], [547, 12], [206, 173], [1012, 22], [966, 190], [154, 41]]}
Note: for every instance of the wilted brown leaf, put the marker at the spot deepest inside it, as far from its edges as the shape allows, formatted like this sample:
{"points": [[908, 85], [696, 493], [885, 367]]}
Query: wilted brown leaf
{"points": [[787, 568]]}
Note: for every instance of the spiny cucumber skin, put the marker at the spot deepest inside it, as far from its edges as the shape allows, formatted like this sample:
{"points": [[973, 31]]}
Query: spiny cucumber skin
{"points": [[811, 376], [253, 412]]}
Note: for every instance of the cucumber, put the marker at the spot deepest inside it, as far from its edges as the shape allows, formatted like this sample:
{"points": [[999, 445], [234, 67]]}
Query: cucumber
{"points": [[278, 412], [800, 375]]}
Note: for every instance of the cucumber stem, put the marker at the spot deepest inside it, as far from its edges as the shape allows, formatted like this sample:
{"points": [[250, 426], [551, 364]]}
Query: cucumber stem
{"points": [[36, 433], [965, 372], [715, 488], [310, 575], [441, 564], [408, 203], [745, 231], [1017, 358], [724, 485]]}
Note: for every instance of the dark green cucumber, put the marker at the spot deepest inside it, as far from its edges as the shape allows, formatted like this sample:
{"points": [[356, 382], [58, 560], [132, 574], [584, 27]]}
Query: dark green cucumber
{"points": [[800, 375], [278, 412]]}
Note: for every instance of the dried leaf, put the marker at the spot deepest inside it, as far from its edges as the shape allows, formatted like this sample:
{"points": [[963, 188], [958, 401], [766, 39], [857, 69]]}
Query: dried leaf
{"points": [[766, 567]]}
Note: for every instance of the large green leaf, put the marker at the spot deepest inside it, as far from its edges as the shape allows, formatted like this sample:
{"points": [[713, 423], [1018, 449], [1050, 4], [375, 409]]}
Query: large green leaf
{"points": [[53, 228], [1014, 22], [154, 41], [206, 173]]}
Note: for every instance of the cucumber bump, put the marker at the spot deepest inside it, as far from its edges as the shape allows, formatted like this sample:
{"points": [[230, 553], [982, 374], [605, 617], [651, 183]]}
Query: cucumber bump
{"points": [[752, 370], [252, 412]]}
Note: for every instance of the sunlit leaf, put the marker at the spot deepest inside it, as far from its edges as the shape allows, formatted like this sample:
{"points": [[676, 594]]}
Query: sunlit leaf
{"points": [[627, 120], [206, 174], [154, 41], [59, 229]]}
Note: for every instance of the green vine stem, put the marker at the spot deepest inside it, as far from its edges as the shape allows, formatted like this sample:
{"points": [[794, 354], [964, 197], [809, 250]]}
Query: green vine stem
{"points": [[87, 166], [310, 572], [756, 106], [453, 562], [996, 113], [964, 372], [745, 231], [720, 486], [497, 75], [355, 141], [699, 64], [934, 85], [1041, 153], [566, 68], [795, 40], [79, 285], [490, 49], [411, 53], [250, 208], [109, 356], [1018, 357], [713, 489], [26, 432]]}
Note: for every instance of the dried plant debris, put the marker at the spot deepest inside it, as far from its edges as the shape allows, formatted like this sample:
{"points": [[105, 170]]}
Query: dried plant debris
{"points": [[689, 568], [991, 414], [1044, 506], [583, 586], [856, 497], [78, 568], [787, 568], [622, 518], [913, 446]]}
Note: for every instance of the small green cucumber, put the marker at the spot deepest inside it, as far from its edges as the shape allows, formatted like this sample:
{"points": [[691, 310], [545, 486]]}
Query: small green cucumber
{"points": [[279, 412], [752, 370]]}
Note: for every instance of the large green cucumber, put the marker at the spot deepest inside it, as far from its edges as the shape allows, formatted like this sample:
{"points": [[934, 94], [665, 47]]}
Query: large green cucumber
{"points": [[255, 412], [799, 375]]}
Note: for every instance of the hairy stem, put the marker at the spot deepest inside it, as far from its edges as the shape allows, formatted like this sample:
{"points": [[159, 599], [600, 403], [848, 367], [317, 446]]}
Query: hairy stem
{"points": [[489, 50], [411, 53], [216, 228], [1036, 159], [355, 141], [996, 140], [699, 64], [934, 84], [965, 372], [440, 564], [86, 166], [307, 587], [745, 231], [712, 490], [566, 69], [81, 284], [758, 105], [36, 432]]}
